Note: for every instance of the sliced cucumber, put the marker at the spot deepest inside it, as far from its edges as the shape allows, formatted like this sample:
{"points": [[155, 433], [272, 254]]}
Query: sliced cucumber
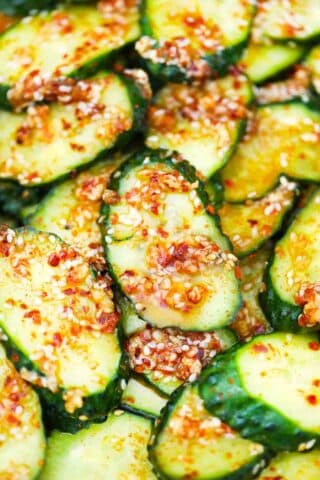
{"points": [[49, 142], [169, 357], [290, 20], [261, 62], [188, 38], [71, 210], [293, 466], [22, 438], [115, 449], [249, 226], [203, 123], [141, 398], [282, 139], [60, 325], [71, 41], [190, 443], [251, 320], [165, 249], [292, 298], [313, 63], [249, 387]]}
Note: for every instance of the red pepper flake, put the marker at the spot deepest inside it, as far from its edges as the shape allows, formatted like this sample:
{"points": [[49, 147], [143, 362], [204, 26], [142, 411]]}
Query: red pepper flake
{"points": [[211, 209], [75, 330], [57, 339], [114, 218], [312, 399], [314, 346], [252, 222], [63, 22], [15, 396], [260, 348], [109, 321], [77, 147], [155, 208], [13, 420], [238, 272], [128, 273], [228, 183], [70, 291], [15, 357], [4, 249], [54, 260], [163, 233], [35, 315], [266, 230]]}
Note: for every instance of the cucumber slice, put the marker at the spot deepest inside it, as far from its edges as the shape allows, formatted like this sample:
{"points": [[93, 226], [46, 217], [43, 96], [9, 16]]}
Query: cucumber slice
{"points": [[168, 357], [249, 226], [313, 63], [165, 249], [290, 20], [114, 449], [61, 327], [71, 41], [249, 387], [190, 443], [293, 466], [71, 210], [261, 62], [203, 123], [292, 298], [48, 142], [22, 444], [186, 39], [141, 398], [251, 320], [282, 139]]}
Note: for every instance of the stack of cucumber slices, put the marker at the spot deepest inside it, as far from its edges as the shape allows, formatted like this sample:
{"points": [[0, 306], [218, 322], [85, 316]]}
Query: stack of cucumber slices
{"points": [[160, 240]]}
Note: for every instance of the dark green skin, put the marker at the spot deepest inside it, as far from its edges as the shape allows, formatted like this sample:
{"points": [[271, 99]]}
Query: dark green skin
{"points": [[23, 7], [95, 407], [218, 62], [243, 473], [139, 107], [224, 396], [13, 197], [282, 315], [215, 189], [155, 156]]}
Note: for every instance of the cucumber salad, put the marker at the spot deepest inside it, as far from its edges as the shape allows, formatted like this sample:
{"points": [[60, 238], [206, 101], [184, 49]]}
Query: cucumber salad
{"points": [[160, 240]]}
